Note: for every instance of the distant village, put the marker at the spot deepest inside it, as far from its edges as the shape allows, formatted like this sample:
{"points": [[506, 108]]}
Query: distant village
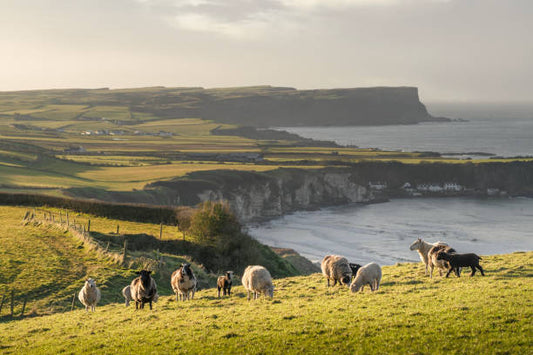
{"points": [[447, 188]]}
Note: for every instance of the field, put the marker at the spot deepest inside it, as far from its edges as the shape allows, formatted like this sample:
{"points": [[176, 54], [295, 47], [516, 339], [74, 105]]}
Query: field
{"points": [[409, 314], [120, 140]]}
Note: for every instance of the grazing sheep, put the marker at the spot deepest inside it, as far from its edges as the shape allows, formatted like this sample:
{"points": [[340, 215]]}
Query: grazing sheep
{"points": [[224, 283], [336, 268], [440, 264], [257, 279], [184, 282], [461, 260], [143, 289], [369, 274], [126, 292], [354, 268], [89, 295], [423, 248]]}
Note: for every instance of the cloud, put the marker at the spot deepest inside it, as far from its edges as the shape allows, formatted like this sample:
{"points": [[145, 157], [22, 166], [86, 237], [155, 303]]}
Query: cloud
{"points": [[251, 19]]}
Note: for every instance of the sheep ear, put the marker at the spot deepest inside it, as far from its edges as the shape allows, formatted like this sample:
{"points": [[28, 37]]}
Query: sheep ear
{"points": [[138, 272], [149, 272]]}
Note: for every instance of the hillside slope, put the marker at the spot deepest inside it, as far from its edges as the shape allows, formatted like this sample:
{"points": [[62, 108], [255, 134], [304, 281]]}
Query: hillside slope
{"points": [[409, 314]]}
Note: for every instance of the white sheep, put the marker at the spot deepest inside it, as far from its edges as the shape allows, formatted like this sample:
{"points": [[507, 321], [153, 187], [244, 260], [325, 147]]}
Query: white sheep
{"points": [[369, 274], [423, 248], [336, 268], [89, 295], [257, 279]]}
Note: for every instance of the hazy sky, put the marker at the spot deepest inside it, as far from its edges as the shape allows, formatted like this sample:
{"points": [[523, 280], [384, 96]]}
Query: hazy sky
{"points": [[463, 50]]}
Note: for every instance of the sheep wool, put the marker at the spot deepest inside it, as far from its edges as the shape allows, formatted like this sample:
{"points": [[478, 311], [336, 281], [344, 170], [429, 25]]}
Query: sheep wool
{"points": [[89, 295], [257, 279], [370, 274]]}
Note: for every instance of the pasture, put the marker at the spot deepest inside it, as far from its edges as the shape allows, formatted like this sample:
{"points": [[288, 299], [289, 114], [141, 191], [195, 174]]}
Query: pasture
{"points": [[409, 314]]}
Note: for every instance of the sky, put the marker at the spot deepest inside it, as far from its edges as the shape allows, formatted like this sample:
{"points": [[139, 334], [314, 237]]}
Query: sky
{"points": [[452, 50]]}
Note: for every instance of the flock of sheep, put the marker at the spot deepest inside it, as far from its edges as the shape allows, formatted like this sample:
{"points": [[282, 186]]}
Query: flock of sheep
{"points": [[257, 280]]}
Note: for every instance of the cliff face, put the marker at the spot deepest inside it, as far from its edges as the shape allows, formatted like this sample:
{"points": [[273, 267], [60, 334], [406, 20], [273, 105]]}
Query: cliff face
{"points": [[259, 195], [254, 195], [337, 107]]}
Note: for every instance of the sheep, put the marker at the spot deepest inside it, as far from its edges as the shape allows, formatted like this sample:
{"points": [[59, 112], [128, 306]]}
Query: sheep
{"points": [[423, 248], [440, 264], [224, 283], [354, 268], [368, 274], [257, 279], [143, 289], [184, 282], [126, 292], [336, 268], [461, 260], [89, 295]]}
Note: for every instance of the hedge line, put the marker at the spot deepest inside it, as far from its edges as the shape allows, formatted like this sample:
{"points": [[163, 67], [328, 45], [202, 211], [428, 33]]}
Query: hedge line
{"points": [[125, 212]]}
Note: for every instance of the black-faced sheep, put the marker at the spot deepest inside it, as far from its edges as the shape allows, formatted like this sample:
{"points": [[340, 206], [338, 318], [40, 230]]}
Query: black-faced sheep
{"points": [[126, 292], [354, 268], [257, 279], [440, 264], [143, 289], [370, 274], [423, 248], [184, 282], [224, 283], [461, 260], [336, 268], [89, 295]]}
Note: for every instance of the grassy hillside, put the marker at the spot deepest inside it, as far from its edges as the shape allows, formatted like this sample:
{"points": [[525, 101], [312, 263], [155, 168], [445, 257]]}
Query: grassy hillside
{"points": [[45, 264], [409, 314]]}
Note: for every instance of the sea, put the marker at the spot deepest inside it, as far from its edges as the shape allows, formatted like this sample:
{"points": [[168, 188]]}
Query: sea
{"points": [[383, 232]]}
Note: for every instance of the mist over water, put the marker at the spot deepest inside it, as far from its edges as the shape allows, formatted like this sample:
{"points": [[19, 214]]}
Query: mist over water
{"points": [[383, 232]]}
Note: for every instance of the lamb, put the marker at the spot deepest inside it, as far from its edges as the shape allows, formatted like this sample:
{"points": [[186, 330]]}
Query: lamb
{"points": [[143, 289], [336, 268], [461, 260], [224, 283], [257, 279], [89, 295], [440, 264], [368, 274], [354, 268], [126, 292], [423, 248], [184, 282]]}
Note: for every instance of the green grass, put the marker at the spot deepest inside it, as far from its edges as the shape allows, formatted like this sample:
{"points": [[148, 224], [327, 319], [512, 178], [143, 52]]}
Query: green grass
{"points": [[409, 314]]}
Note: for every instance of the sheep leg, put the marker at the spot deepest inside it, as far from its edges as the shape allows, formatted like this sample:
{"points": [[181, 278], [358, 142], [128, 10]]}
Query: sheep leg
{"points": [[229, 291], [219, 292], [449, 271], [431, 267], [248, 295], [150, 305], [480, 269], [473, 271], [334, 282]]}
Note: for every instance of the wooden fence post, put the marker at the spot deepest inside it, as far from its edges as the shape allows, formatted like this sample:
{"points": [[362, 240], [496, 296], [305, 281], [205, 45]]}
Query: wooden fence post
{"points": [[12, 302], [125, 250], [24, 306], [118, 228], [68, 222], [107, 247], [2, 303], [89, 226], [73, 299], [60, 218]]}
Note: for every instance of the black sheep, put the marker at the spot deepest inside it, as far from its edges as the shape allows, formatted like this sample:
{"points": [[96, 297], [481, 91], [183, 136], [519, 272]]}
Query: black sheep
{"points": [[461, 260], [355, 268]]}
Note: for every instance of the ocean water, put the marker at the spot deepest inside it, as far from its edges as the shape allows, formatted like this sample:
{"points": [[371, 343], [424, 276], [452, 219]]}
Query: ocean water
{"points": [[502, 137], [383, 232]]}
